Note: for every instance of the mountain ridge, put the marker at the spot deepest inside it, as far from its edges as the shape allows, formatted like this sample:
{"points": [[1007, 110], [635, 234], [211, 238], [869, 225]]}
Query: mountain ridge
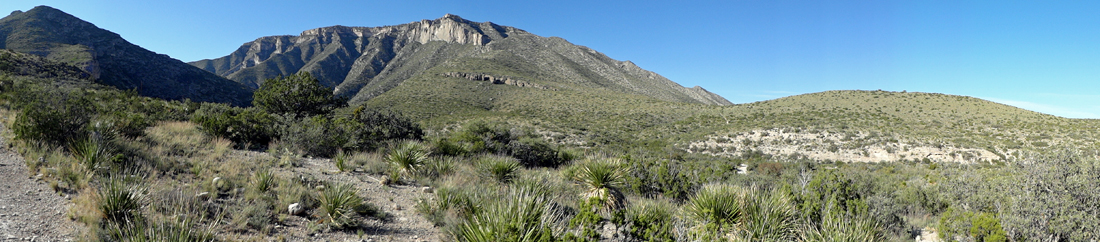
{"points": [[111, 60], [363, 62]]}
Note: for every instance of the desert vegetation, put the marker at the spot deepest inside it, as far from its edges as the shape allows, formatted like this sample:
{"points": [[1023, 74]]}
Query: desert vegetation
{"points": [[566, 169]]}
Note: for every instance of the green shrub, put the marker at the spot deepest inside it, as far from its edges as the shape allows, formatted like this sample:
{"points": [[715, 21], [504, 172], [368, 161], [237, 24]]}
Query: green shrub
{"points": [[299, 94], [314, 136], [533, 152], [246, 127], [369, 129], [652, 220], [55, 122]]}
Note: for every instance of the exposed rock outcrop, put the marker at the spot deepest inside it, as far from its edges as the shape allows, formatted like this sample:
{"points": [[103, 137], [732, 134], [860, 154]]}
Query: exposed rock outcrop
{"points": [[364, 62], [493, 79]]}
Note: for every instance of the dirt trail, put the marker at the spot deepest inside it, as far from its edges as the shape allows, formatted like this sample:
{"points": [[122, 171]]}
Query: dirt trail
{"points": [[29, 209]]}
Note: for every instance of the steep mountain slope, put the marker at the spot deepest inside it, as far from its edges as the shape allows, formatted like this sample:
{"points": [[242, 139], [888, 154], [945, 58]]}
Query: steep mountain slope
{"points": [[362, 62], [111, 60]]}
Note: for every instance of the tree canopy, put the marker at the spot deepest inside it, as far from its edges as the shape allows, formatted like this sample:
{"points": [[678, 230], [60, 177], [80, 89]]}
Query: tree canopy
{"points": [[300, 94]]}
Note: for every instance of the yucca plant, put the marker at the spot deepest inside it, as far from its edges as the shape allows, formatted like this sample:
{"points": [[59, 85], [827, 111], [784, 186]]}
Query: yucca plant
{"points": [[338, 205], [767, 217], [742, 214], [341, 159], [94, 153], [263, 181], [120, 202], [840, 227], [601, 179], [408, 157], [717, 206], [499, 168], [522, 215]]}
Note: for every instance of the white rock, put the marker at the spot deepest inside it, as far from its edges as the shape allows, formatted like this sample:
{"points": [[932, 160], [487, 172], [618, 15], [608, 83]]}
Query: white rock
{"points": [[426, 189], [296, 209]]}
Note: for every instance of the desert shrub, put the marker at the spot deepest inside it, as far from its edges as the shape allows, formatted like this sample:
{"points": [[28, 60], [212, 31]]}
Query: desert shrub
{"points": [[840, 227], [742, 213], [57, 122], [449, 204], [369, 129], [95, 153], [314, 136], [652, 220], [407, 159], [1054, 198], [254, 215], [246, 127], [533, 152], [300, 94], [119, 201]]}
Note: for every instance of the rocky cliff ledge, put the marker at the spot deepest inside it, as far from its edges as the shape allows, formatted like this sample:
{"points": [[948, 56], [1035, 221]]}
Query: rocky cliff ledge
{"points": [[493, 79]]}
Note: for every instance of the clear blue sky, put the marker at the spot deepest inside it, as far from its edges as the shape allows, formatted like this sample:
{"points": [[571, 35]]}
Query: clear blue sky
{"points": [[1039, 55]]}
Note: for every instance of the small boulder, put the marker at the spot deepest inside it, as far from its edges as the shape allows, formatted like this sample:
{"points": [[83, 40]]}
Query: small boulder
{"points": [[426, 189], [296, 209]]}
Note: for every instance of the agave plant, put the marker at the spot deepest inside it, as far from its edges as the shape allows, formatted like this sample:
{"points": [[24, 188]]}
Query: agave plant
{"points": [[601, 179]]}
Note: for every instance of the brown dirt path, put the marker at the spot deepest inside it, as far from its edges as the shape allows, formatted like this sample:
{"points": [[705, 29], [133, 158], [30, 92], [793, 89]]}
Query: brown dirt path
{"points": [[29, 209]]}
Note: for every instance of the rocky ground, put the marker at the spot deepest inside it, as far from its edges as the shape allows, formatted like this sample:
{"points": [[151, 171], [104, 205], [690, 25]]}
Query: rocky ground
{"points": [[29, 209], [396, 200]]}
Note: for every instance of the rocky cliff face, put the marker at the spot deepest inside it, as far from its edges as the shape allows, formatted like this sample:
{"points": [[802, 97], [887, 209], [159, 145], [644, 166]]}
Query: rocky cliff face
{"points": [[363, 62], [111, 60]]}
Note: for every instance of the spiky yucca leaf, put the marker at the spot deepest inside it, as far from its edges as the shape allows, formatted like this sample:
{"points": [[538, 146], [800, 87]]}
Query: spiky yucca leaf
{"points": [[716, 205], [338, 204], [408, 157], [522, 215], [499, 168], [120, 202], [601, 179]]}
